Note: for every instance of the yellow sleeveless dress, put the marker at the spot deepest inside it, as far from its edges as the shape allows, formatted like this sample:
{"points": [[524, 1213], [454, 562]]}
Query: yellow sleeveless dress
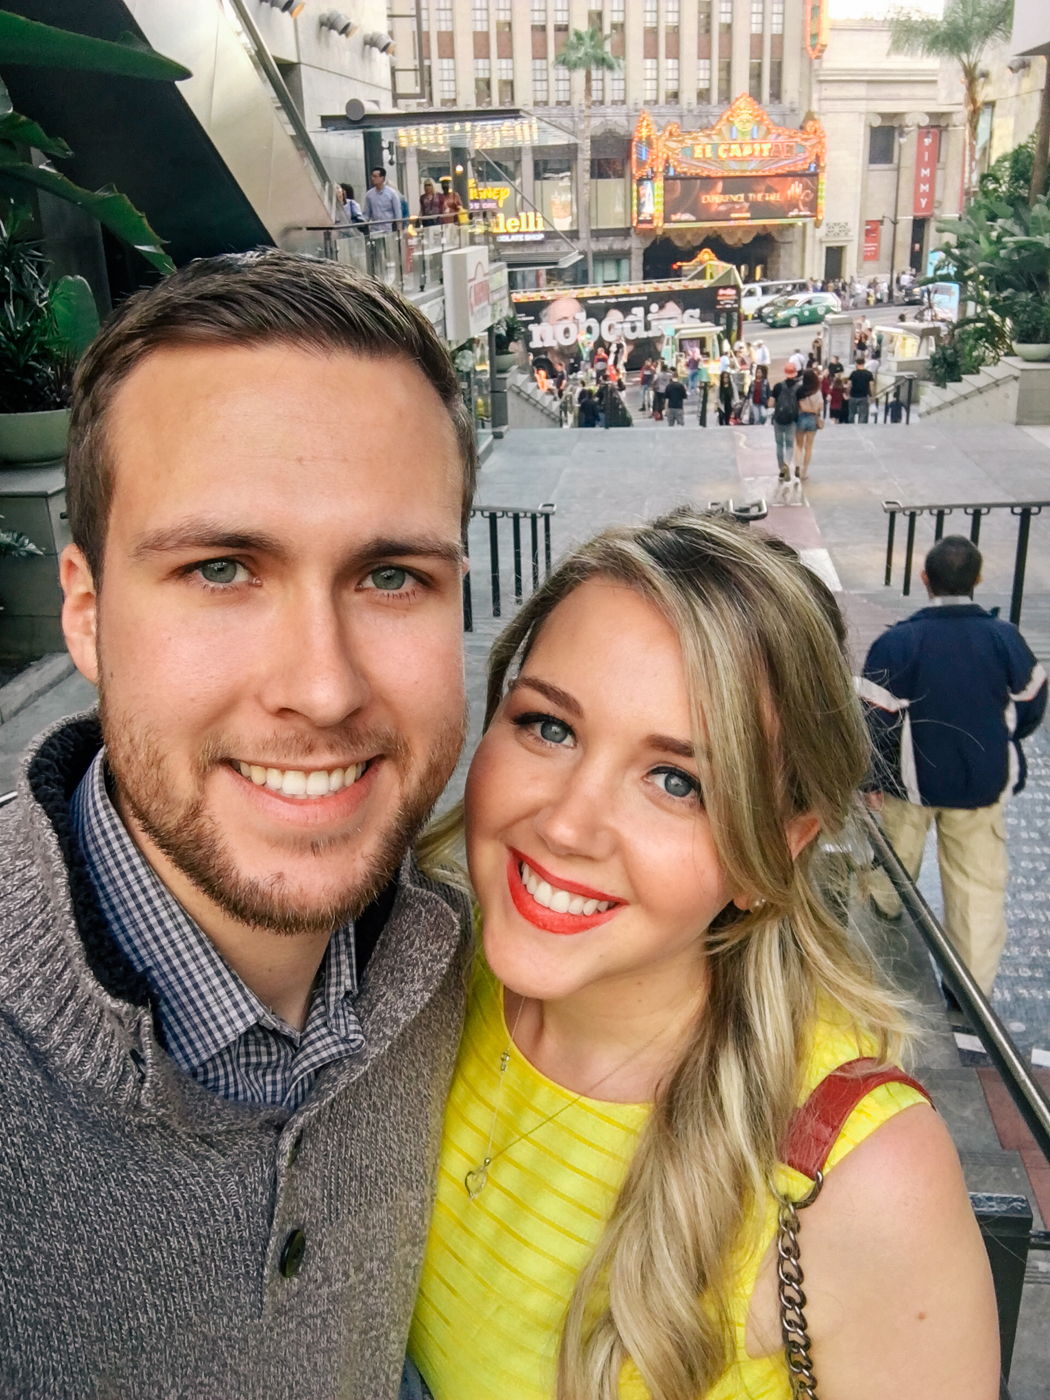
{"points": [[499, 1271]]}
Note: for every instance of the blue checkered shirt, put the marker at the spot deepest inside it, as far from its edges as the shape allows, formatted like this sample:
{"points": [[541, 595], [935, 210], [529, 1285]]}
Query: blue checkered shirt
{"points": [[213, 1026]]}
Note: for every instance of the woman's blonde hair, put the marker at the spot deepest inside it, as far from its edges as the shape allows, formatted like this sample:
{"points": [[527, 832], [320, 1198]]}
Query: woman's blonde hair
{"points": [[778, 733]]}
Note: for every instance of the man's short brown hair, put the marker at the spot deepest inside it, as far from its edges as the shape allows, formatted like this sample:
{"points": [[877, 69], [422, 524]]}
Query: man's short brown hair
{"points": [[244, 299]]}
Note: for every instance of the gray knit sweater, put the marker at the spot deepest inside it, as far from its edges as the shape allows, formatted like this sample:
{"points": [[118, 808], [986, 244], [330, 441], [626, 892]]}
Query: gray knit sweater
{"points": [[144, 1218]]}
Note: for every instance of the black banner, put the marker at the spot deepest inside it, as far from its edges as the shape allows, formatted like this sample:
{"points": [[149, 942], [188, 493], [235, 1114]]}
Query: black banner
{"points": [[739, 198]]}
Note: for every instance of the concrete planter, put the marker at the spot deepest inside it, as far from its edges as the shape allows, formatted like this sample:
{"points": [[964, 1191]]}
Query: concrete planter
{"points": [[505, 362], [1031, 352], [33, 439]]}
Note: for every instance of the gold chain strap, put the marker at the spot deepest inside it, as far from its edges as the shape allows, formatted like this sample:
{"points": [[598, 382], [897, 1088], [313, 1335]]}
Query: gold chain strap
{"points": [[793, 1327]]}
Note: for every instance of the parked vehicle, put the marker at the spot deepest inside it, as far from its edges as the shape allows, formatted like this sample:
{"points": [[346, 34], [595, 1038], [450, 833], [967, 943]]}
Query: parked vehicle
{"points": [[757, 295], [803, 310]]}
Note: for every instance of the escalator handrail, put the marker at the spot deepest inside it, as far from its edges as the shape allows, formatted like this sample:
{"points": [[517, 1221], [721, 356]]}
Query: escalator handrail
{"points": [[1025, 1092]]}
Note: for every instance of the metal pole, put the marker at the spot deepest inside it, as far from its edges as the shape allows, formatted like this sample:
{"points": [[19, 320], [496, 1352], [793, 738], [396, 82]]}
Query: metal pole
{"points": [[889, 546], [909, 549], [938, 533], [1023, 1089], [900, 134], [516, 523], [975, 525], [907, 406], [703, 405], [534, 522], [1023, 527], [494, 563], [546, 545]]}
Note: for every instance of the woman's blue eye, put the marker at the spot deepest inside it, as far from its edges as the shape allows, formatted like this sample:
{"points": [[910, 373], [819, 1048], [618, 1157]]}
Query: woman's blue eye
{"points": [[674, 782], [220, 571], [553, 731], [389, 579]]}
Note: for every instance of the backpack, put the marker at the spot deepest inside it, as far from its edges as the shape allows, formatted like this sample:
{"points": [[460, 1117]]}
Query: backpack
{"points": [[786, 410]]}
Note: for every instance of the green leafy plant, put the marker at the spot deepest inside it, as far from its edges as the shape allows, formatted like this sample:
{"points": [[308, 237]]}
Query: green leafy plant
{"points": [[586, 49], [24, 41], [1029, 319], [14, 545], [1009, 177], [508, 330], [943, 364]]}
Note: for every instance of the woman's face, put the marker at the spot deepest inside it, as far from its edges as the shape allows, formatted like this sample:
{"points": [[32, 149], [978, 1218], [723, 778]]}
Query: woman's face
{"points": [[583, 793]]}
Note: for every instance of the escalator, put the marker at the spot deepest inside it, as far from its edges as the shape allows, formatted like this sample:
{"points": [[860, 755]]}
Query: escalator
{"points": [[219, 162]]}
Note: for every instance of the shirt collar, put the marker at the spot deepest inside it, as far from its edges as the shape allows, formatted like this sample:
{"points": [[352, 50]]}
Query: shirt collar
{"points": [[202, 1005], [951, 600]]}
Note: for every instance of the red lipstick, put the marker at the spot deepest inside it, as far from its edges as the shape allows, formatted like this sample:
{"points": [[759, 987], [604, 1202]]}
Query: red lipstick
{"points": [[548, 919]]}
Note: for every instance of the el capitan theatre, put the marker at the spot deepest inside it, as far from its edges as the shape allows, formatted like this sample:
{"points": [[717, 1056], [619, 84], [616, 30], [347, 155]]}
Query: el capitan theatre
{"points": [[744, 170]]}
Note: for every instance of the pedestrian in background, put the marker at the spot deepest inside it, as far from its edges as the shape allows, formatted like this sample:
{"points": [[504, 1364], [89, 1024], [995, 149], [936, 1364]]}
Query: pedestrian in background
{"points": [[725, 398], [382, 204], [837, 399], [760, 394], [810, 420], [676, 394], [431, 204], [645, 379], [785, 419], [660, 383], [949, 695], [860, 383], [761, 353], [351, 206]]}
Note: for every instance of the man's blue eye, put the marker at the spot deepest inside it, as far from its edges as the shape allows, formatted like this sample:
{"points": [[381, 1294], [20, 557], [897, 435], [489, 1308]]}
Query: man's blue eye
{"points": [[219, 571], [389, 579], [674, 782], [553, 731]]}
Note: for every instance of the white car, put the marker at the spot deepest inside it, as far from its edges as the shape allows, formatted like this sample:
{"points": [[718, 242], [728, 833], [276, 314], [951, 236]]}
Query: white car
{"points": [[756, 295]]}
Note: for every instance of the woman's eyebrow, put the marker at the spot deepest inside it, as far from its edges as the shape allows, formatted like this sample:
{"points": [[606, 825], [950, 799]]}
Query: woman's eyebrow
{"points": [[553, 693], [666, 744]]}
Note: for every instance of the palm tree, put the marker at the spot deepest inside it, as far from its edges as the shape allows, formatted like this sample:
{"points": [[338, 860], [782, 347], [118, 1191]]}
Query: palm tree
{"points": [[585, 48], [962, 32]]}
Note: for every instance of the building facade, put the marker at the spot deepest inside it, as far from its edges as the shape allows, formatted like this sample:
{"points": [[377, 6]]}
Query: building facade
{"points": [[686, 62]]}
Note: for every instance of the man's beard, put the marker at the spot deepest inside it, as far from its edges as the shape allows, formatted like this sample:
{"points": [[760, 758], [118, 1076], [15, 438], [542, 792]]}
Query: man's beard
{"points": [[195, 843]]}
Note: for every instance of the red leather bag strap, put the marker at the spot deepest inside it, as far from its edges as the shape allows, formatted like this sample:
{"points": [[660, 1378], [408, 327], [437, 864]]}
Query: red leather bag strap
{"points": [[815, 1125]]}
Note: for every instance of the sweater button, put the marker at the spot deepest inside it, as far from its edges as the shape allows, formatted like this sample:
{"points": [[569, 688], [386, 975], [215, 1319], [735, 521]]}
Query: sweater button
{"points": [[292, 1254]]}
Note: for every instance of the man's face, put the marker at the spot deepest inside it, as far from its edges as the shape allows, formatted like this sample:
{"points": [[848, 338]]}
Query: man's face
{"points": [[378, 179], [278, 635]]}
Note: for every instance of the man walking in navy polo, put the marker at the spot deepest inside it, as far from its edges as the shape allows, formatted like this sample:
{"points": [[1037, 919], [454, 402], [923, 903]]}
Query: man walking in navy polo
{"points": [[949, 695]]}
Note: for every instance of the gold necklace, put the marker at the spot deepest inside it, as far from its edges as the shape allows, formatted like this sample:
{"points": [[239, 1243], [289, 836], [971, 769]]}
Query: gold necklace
{"points": [[477, 1178]]}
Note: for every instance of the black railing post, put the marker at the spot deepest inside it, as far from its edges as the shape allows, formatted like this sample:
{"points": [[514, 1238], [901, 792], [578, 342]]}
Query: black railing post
{"points": [[890, 532], [938, 533], [975, 523], [516, 521], [1024, 526], [546, 543], [494, 563], [534, 522], [907, 406], [468, 602], [909, 550], [703, 404]]}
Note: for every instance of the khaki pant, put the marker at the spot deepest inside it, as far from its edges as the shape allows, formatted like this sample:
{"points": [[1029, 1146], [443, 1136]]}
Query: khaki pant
{"points": [[971, 853]]}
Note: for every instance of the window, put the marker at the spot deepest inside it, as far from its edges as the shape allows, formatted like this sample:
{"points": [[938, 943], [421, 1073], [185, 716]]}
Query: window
{"points": [[424, 15], [650, 79], [443, 17], [504, 12], [649, 14], [447, 81], [617, 87], [703, 17], [597, 85], [608, 270], [881, 145], [505, 74], [671, 8], [607, 167], [540, 94], [725, 16], [538, 12], [670, 80], [479, 15], [777, 15], [482, 83], [561, 13], [754, 79], [758, 14], [616, 11], [554, 192], [723, 79], [776, 70], [562, 87]]}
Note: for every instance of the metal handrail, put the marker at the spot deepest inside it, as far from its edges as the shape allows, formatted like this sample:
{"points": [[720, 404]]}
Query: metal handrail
{"points": [[493, 514], [7, 797], [1025, 1092], [1024, 510]]}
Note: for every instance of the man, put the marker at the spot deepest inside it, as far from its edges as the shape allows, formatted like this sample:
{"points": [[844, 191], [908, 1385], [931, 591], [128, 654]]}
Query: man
{"points": [[431, 204], [382, 204], [797, 359], [675, 394], [860, 385], [660, 385], [949, 694], [785, 420], [761, 353], [230, 1001]]}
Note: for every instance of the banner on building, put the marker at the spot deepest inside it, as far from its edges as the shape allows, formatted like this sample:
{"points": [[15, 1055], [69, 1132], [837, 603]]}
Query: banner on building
{"points": [[927, 149], [872, 231], [745, 169]]}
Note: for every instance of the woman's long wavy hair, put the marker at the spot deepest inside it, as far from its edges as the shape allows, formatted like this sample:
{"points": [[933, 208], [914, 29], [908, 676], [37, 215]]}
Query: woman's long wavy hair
{"points": [[778, 733]]}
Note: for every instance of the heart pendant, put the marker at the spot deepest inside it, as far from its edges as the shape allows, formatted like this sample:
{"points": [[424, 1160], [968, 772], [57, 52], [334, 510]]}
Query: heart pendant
{"points": [[475, 1180]]}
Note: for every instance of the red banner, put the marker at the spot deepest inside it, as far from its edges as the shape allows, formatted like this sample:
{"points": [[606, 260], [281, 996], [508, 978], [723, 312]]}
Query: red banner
{"points": [[872, 229], [926, 150]]}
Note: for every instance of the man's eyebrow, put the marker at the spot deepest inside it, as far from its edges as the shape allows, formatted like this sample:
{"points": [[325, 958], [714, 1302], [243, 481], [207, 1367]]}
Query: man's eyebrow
{"points": [[211, 535], [553, 693]]}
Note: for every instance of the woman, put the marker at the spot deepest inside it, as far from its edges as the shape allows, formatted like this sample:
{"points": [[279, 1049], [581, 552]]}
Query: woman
{"points": [[760, 394], [810, 413], [838, 399], [645, 379], [725, 398], [671, 727]]}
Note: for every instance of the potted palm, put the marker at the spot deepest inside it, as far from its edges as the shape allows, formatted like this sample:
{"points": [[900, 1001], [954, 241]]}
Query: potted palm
{"points": [[508, 331], [1030, 324]]}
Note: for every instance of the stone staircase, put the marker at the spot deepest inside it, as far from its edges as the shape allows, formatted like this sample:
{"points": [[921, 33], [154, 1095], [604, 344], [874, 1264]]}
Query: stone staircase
{"points": [[989, 396], [527, 407]]}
